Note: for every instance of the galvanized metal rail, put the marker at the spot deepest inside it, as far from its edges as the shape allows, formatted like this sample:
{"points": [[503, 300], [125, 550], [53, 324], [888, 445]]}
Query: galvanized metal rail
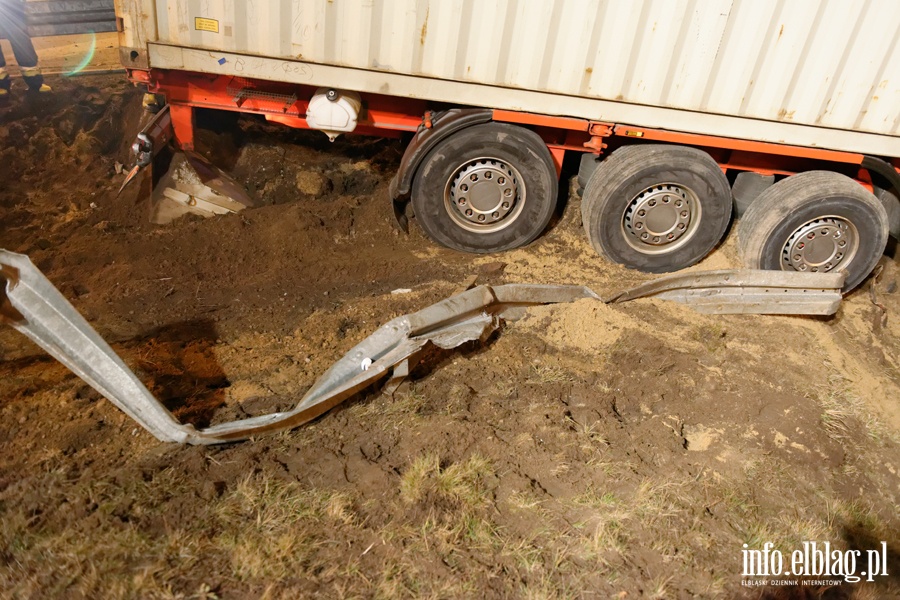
{"points": [[746, 291], [65, 17], [33, 306]]}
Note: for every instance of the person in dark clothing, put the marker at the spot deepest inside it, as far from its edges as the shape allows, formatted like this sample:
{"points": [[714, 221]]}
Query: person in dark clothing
{"points": [[12, 28]]}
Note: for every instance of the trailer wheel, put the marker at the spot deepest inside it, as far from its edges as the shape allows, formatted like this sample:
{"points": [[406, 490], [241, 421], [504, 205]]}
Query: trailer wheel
{"points": [[656, 208], [816, 221], [488, 188]]}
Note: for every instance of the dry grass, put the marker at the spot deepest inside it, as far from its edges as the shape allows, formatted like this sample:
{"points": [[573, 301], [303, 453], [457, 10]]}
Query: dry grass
{"points": [[271, 529], [591, 497], [506, 387], [403, 408], [461, 483], [855, 513], [840, 411], [658, 500], [448, 522], [524, 500], [266, 529], [83, 555], [86, 562], [591, 433], [711, 336], [844, 412], [444, 536], [549, 374], [658, 589], [614, 520]]}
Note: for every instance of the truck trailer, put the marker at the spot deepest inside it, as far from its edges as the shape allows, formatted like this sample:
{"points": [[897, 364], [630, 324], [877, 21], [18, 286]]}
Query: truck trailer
{"points": [[685, 113]]}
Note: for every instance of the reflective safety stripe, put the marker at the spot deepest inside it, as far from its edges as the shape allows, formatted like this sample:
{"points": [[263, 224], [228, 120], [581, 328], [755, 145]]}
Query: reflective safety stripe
{"points": [[31, 71]]}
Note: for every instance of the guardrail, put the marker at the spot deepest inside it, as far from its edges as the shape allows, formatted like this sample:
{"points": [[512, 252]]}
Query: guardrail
{"points": [[64, 17]]}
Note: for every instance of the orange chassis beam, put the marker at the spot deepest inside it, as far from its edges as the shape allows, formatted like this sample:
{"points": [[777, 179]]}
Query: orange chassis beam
{"points": [[284, 103], [388, 116], [566, 133]]}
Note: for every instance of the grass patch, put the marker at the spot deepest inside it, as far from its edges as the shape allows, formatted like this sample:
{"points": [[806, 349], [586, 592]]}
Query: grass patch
{"points": [[441, 521], [595, 499], [549, 374], [616, 519], [844, 413], [711, 336], [405, 406], [461, 483], [590, 431], [271, 528]]}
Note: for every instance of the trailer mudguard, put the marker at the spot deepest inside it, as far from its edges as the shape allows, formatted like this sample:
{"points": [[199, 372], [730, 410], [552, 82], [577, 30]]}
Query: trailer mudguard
{"points": [[890, 199], [883, 168], [443, 125]]}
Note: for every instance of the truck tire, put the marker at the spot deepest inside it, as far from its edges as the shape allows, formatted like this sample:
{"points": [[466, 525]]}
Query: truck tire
{"points": [[587, 166], [817, 221], [656, 208], [891, 201], [487, 188]]}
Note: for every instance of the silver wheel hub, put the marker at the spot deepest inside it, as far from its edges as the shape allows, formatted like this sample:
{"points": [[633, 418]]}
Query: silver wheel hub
{"points": [[485, 195], [661, 218], [821, 245]]}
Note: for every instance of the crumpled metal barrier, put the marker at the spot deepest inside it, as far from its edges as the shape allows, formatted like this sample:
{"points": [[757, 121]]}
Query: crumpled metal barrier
{"points": [[33, 306], [746, 291]]}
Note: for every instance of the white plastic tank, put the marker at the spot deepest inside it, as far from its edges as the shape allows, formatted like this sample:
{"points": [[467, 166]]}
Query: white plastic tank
{"points": [[333, 111]]}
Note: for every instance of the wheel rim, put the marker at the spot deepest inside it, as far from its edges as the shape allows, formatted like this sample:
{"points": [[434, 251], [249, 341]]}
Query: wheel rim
{"points": [[821, 245], [661, 218], [484, 195]]}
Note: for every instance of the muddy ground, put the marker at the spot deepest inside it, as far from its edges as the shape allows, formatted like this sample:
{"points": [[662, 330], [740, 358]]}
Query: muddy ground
{"points": [[587, 451]]}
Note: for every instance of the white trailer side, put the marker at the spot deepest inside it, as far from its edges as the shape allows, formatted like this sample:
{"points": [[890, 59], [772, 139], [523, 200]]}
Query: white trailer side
{"points": [[804, 72]]}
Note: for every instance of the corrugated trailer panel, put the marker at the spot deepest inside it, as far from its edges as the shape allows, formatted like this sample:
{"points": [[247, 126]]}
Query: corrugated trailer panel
{"points": [[885, 98], [829, 63], [692, 62]]}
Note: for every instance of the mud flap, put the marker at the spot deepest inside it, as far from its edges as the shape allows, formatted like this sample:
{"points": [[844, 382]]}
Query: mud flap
{"points": [[401, 220]]}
